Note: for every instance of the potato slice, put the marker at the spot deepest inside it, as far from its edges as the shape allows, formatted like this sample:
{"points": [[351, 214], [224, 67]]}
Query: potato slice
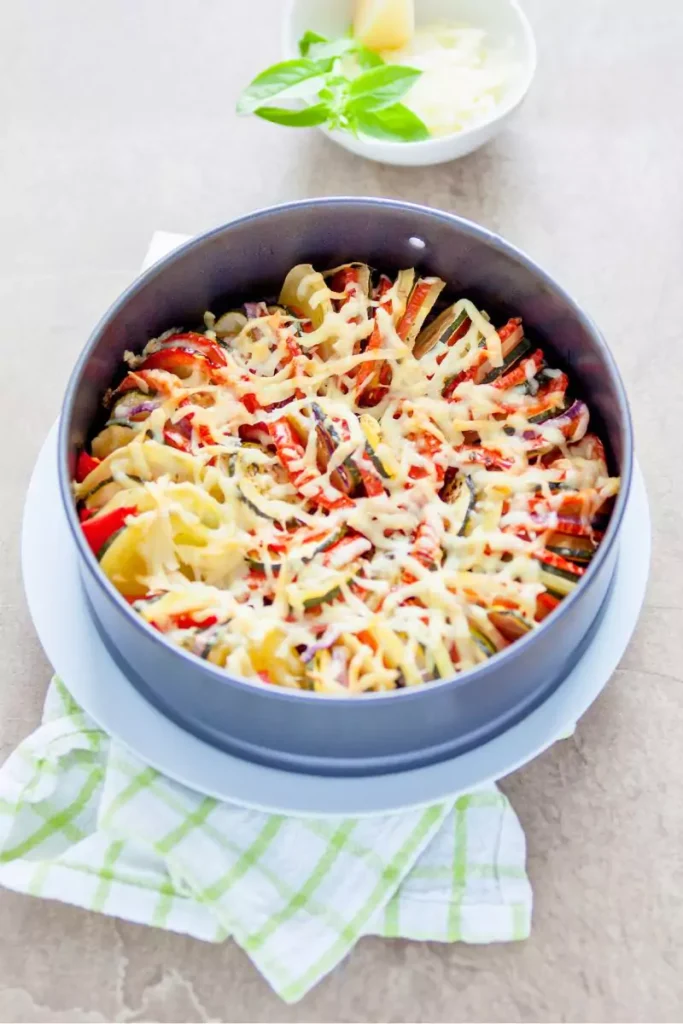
{"points": [[301, 293], [109, 440], [147, 460], [263, 657], [122, 561]]}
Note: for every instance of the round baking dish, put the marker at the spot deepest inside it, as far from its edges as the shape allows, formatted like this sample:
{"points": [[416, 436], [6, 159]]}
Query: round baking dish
{"points": [[372, 733]]}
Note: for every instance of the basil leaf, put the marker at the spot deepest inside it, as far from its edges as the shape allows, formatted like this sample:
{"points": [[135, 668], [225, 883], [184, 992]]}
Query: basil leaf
{"points": [[305, 117], [383, 86], [276, 79], [335, 48], [392, 124], [367, 58], [307, 40]]}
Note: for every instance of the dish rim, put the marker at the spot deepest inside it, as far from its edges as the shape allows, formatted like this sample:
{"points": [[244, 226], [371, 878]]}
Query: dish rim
{"points": [[501, 658]]}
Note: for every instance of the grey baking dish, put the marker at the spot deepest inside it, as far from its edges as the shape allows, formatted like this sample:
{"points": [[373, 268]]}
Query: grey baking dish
{"points": [[375, 733]]}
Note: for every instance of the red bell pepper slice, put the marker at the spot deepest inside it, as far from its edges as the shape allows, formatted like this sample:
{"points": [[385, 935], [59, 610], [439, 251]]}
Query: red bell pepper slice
{"points": [[521, 373], [189, 620], [510, 335], [255, 432], [368, 374], [251, 403], [206, 438], [372, 482], [545, 604], [459, 333], [428, 446], [85, 464], [179, 435], [345, 280], [290, 451], [293, 350], [417, 297], [98, 530], [198, 343], [142, 380], [487, 457], [180, 361], [427, 546]]}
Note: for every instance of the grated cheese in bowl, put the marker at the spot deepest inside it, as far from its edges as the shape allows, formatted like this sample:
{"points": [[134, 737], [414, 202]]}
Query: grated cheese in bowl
{"points": [[463, 79]]}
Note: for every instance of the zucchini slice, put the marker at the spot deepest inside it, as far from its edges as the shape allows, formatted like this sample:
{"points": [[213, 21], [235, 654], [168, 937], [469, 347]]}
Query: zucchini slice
{"points": [[386, 467], [305, 552], [510, 358], [322, 544], [128, 402], [549, 414], [268, 508], [483, 642], [511, 624], [314, 598], [325, 591], [420, 304], [104, 491], [346, 478], [460, 494], [405, 279], [575, 549], [253, 560], [230, 324], [558, 581], [441, 331]]}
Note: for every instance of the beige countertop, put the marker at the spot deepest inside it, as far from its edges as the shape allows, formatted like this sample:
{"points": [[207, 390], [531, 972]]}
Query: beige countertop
{"points": [[117, 119]]}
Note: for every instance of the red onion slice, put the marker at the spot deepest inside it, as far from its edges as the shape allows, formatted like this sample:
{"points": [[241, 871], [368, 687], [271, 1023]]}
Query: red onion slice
{"points": [[330, 636]]}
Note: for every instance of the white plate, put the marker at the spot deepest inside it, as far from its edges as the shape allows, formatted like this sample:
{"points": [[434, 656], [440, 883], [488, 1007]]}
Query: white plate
{"points": [[57, 604]]}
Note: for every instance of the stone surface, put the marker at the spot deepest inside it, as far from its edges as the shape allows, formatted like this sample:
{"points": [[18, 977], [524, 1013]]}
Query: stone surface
{"points": [[116, 119]]}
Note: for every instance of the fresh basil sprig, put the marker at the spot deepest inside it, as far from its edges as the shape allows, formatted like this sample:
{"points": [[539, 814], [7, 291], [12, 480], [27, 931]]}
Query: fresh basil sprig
{"points": [[317, 91]]}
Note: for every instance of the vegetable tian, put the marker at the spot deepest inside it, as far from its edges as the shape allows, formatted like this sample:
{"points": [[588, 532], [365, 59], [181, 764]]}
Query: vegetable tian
{"points": [[345, 491]]}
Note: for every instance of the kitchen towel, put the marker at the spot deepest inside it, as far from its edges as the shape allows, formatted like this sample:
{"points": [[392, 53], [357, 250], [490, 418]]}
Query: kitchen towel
{"points": [[84, 821]]}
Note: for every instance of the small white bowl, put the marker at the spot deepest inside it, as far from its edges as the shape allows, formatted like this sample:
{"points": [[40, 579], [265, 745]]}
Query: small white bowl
{"points": [[506, 25]]}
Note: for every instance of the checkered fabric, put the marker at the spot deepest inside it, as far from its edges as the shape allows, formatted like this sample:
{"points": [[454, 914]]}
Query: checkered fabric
{"points": [[84, 821]]}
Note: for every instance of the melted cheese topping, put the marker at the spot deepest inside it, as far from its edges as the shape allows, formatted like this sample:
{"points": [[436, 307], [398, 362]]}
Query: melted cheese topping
{"points": [[321, 496]]}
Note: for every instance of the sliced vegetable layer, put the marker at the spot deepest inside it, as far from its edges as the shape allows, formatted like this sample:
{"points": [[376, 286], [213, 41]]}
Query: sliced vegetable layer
{"points": [[358, 487]]}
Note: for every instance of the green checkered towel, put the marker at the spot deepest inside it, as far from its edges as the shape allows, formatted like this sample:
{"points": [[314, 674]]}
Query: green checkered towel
{"points": [[84, 821]]}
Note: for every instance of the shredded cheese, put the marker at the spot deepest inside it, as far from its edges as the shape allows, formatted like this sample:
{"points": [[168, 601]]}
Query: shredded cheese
{"points": [[463, 80], [315, 505]]}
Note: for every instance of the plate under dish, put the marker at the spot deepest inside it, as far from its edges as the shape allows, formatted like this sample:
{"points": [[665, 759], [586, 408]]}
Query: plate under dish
{"points": [[60, 614]]}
